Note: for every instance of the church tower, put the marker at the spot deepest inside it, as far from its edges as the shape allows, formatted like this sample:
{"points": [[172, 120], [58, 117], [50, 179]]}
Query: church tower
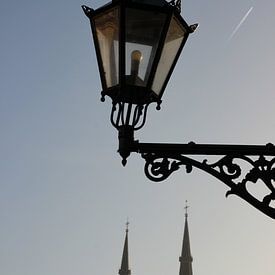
{"points": [[186, 258], [124, 269]]}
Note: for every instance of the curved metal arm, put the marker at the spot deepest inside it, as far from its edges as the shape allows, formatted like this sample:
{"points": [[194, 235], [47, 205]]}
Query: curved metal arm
{"points": [[238, 167]]}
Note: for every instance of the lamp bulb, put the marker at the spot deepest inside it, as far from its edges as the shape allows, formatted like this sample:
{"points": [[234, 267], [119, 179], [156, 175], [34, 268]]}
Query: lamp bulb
{"points": [[136, 56]]}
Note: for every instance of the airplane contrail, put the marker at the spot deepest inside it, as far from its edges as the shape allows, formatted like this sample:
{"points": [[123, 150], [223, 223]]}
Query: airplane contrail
{"points": [[241, 22]]}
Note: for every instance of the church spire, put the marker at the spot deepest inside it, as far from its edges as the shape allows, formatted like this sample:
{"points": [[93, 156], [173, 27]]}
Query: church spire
{"points": [[124, 269], [186, 258]]}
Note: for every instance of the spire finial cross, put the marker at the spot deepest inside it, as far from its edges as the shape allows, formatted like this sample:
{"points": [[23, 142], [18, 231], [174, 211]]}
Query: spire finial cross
{"points": [[186, 208], [127, 225]]}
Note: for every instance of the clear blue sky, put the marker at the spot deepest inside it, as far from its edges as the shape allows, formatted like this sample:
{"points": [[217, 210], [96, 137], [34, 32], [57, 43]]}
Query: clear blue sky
{"points": [[64, 196]]}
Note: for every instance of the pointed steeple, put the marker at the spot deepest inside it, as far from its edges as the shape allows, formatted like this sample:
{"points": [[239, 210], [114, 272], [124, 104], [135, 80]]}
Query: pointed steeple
{"points": [[124, 269], [186, 258]]}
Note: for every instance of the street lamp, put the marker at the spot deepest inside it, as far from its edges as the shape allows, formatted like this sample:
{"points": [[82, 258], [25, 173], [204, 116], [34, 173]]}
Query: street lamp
{"points": [[138, 43]]}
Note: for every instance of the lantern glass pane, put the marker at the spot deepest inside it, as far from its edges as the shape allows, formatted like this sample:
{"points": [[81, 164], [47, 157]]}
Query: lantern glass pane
{"points": [[143, 31], [173, 41], [107, 31]]}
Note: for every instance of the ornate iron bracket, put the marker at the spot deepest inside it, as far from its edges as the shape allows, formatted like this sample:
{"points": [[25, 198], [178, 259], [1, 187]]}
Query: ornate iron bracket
{"points": [[239, 167]]}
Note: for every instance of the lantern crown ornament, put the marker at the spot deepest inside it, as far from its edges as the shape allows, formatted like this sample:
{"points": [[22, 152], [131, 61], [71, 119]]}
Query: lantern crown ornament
{"points": [[137, 43]]}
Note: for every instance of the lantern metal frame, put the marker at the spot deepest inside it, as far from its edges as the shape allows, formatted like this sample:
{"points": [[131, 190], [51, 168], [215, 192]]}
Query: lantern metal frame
{"points": [[130, 93], [237, 166]]}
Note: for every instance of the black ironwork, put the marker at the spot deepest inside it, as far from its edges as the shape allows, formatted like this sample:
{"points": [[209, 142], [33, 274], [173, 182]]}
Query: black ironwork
{"points": [[87, 10], [127, 114], [239, 166], [124, 91], [176, 4]]}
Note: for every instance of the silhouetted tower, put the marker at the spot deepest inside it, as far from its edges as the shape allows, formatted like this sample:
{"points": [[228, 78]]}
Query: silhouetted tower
{"points": [[186, 258], [124, 269]]}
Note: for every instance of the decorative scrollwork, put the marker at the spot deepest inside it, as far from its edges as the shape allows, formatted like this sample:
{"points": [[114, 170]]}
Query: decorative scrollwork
{"points": [[159, 170], [128, 114], [228, 169]]}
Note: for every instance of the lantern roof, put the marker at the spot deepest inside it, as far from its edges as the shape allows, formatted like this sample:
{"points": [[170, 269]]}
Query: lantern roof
{"points": [[159, 3]]}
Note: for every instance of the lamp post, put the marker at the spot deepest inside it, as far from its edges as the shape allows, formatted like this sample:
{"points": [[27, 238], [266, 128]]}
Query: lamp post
{"points": [[138, 43]]}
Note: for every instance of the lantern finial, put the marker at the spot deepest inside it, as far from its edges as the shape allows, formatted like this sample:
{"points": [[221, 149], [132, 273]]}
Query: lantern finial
{"points": [[176, 4]]}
